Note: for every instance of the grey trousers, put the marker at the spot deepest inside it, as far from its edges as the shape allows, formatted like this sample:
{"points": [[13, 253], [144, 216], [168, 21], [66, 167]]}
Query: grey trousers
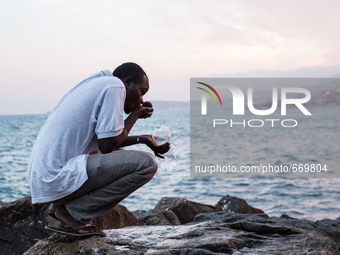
{"points": [[111, 178]]}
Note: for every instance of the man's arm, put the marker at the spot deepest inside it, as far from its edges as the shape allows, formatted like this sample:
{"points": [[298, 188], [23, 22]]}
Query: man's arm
{"points": [[148, 141], [110, 144], [132, 140]]}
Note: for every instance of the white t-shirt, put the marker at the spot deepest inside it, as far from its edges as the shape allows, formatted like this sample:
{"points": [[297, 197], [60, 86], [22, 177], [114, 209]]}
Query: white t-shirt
{"points": [[92, 110]]}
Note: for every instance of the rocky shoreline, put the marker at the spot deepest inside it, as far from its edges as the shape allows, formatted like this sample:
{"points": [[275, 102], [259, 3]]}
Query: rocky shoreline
{"points": [[174, 226]]}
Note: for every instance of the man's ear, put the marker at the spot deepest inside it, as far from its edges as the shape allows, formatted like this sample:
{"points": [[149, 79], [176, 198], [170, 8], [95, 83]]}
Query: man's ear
{"points": [[127, 81]]}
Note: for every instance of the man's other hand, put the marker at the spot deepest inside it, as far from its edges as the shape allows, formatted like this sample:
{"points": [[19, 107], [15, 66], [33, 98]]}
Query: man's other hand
{"points": [[157, 149]]}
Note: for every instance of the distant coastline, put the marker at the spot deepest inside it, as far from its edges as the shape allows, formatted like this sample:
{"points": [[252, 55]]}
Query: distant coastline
{"points": [[178, 105]]}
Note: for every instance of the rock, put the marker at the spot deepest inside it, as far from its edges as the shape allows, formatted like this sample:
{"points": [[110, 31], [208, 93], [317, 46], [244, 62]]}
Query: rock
{"points": [[230, 217], [234, 204], [156, 218], [248, 222], [330, 227], [286, 216], [209, 237], [151, 218], [64, 245], [22, 225], [205, 231], [172, 218], [117, 217], [184, 209]]}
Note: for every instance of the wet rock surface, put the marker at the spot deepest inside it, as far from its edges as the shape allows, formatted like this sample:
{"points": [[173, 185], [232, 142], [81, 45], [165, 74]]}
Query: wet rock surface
{"points": [[174, 226], [209, 237]]}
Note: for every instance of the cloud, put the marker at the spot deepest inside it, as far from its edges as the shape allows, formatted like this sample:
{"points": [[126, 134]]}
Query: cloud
{"points": [[56, 43]]}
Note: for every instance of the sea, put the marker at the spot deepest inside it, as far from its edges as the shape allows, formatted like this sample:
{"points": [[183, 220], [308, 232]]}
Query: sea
{"points": [[303, 198]]}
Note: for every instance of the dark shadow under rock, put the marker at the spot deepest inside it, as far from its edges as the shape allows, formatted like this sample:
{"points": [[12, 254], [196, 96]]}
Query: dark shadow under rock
{"points": [[226, 216], [263, 229]]}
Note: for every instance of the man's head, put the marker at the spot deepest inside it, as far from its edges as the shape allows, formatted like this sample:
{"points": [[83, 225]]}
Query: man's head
{"points": [[136, 83]]}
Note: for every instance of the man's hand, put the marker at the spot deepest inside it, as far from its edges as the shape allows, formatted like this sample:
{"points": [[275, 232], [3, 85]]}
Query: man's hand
{"points": [[146, 110], [157, 149], [110, 144]]}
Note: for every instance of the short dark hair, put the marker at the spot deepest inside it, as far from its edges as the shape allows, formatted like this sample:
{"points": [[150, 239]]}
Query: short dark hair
{"points": [[129, 69]]}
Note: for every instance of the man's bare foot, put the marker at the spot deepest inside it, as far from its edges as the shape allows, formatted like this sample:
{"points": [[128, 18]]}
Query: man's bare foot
{"points": [[64, 216]]}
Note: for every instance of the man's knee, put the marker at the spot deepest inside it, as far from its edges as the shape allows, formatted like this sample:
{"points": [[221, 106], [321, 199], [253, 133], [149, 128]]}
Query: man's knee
{"points": [[149, 163]]}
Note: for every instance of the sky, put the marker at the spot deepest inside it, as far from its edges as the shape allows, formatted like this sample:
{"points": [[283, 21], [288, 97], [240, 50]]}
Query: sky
{"points": [[48, 46]]}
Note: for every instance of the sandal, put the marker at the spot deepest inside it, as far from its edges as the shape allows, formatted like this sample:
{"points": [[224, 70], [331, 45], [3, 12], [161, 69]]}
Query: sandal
{"points": [[51, 212], [84, 230]]}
